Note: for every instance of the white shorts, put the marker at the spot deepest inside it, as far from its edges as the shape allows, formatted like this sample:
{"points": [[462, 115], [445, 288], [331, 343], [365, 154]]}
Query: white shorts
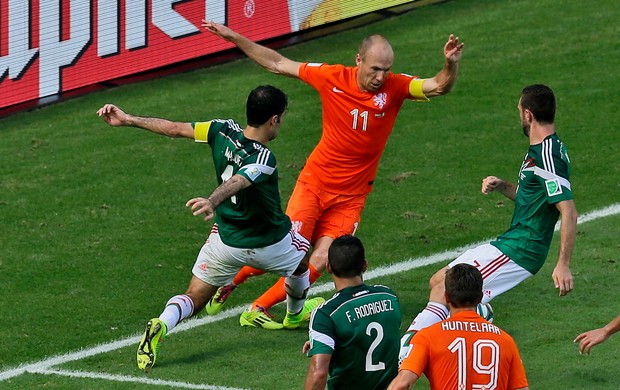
{"points": [[217, 263], [499, 272]]}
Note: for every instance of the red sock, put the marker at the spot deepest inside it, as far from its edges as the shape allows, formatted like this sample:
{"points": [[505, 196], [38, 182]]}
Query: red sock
{"points": [[277, 293], [245, 273]]}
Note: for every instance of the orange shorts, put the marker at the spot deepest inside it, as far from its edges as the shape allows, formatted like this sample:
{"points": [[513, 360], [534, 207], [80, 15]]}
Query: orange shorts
{"points": [[316, 213]]}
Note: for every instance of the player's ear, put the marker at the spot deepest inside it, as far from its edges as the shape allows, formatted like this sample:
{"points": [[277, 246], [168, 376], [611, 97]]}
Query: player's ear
{"points": [[364, 266], [329, 268], [358, 59]]}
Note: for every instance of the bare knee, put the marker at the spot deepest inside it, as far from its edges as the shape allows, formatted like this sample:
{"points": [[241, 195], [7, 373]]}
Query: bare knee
{"points": [[438, 278], [318, 258]]}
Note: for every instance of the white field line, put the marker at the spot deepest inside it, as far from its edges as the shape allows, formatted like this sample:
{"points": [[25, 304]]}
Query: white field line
{"points": [[133, 379], [44, 366]]}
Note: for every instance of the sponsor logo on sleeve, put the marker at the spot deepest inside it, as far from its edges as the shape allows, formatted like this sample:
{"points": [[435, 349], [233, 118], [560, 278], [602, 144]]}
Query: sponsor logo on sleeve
{"points": [[252, 173], [553, 187]]}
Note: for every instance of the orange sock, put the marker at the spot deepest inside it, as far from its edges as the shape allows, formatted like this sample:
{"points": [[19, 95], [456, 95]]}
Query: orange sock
{"points": [[245, 273], [277, 293], [314, 274]]}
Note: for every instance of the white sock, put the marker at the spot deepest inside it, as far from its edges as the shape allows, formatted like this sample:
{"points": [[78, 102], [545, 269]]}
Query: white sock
{"points": [[177, 309], [296, 287], [432, 314]]}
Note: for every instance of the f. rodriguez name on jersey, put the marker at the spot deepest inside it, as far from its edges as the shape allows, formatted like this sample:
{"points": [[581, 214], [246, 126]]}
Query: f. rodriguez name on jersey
{"points": [[483, 327], [369, 309]]}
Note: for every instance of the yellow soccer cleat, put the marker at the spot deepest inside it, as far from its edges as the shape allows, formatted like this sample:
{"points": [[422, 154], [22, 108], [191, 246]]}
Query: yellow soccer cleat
{"points": [[292, 321], [259, 317], [149, 345]]}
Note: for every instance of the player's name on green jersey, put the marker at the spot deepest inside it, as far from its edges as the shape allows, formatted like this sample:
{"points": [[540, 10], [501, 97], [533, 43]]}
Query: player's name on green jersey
{"points": [[369, 309]]}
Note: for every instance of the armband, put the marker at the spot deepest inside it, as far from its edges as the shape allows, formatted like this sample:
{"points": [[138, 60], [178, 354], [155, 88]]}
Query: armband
{"points": [[415, 90], [201, 131]]}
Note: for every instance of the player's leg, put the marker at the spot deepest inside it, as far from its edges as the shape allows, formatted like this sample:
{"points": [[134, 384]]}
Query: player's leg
{"points": [[499, 274], [304, 208], [178, 308], [287, 257], [298, 307]]}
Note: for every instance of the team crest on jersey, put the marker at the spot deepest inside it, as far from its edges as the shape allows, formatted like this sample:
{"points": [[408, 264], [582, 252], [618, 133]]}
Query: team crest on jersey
{"points": [[553, 187], [380, 99]]}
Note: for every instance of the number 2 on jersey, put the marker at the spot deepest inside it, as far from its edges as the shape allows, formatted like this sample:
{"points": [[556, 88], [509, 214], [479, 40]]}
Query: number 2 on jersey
{"points": [[370, 366]]}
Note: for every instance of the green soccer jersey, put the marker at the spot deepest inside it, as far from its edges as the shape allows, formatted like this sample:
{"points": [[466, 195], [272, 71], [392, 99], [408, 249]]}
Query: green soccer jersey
{"points": [[253, 217], [360, 327], [543, 182]]}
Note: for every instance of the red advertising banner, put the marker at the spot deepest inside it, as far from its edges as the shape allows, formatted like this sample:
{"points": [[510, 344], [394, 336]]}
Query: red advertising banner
{"points": [[52, 46]]}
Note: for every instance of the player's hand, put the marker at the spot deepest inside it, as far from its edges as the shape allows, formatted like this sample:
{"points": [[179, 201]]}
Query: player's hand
{"points": [[112, 115], [590, 339], [218, 29], [563, 279], [200, 206], [306, 348], [453, 49], [490, 184]]}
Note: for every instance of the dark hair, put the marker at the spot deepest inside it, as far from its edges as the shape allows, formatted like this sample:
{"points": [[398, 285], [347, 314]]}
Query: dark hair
{"points": [[540, 100], [464, 285], [346, 256], [264, 102]]}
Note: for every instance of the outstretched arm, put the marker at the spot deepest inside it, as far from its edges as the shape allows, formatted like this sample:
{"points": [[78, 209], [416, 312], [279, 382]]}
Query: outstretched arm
{"points": [[562, 277], [492, 183], [265, 57], [114, 116], [596, 336], [443, 81], [224, 191]]}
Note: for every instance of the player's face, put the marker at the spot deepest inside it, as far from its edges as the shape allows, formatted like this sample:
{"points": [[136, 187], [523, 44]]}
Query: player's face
{"points": [[373, 68], [525, 123]]}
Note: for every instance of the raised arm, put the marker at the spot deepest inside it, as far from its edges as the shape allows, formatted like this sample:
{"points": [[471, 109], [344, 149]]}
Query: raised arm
{"points": [[114, 116], [492, 183], [265, 57], [224, 191], [562, 276], [443, 81]]}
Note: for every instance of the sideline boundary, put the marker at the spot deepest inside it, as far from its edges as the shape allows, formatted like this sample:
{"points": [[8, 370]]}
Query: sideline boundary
{"points": [[46, 366]]}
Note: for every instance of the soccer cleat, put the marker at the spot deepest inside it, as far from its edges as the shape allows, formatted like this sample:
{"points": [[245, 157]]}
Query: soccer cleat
{"points": [[149, 345], [292, 321], [259, 317], [215, 304]]}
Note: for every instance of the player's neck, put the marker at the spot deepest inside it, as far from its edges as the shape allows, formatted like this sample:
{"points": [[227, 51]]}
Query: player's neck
{"points": [[455, 310], [256, 134], [342, 283], [538, 132]]}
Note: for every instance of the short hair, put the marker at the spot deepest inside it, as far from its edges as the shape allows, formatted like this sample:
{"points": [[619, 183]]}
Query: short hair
{"points": [[464, 285], [540, 100], [346, 256], [264, 102], [369, 41]]}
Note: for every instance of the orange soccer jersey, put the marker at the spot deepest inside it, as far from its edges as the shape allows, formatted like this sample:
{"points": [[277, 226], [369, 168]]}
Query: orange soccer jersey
{"points": [[356, 127], [466, 352]]}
